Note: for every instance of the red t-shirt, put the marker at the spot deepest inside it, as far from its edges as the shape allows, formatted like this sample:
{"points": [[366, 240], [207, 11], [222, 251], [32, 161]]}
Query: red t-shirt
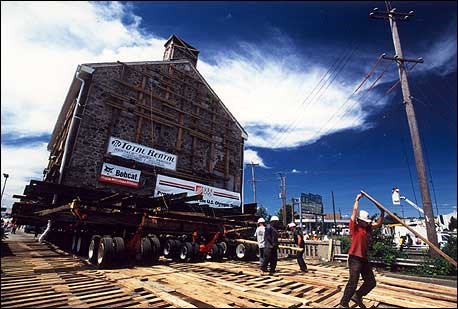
{"points": [[360, 238]]}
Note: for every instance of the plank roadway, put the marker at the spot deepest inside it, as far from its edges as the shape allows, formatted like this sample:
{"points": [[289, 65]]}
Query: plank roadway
{"points": [[40, 275]]}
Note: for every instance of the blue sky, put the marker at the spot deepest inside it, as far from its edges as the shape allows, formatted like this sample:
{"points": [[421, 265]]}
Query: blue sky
{"points": [[265, 60]]}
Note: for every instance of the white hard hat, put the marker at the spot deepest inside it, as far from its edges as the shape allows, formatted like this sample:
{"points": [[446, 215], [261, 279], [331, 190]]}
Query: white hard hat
{"points": [[292, 224], [261, 220], [364, 216], [273, 218]]}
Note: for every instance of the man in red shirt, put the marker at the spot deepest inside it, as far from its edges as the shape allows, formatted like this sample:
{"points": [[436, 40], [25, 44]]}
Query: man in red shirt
{"points": [[360, 230]]}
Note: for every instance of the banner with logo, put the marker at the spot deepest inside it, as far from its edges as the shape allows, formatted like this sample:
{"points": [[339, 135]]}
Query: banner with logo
{"points": [[128, 150], [119, 175], [213, 197]]}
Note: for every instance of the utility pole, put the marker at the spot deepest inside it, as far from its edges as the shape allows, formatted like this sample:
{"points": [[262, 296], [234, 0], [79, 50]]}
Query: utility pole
{"points": [[300, 213], [253, 181], [4, 185], [393, 17], [283, 196], [292, 209], [334, 212]]}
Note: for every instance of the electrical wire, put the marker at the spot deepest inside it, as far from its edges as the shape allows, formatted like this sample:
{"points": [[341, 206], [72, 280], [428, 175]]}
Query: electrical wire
{"points": [[327, 79], [350, 107]]}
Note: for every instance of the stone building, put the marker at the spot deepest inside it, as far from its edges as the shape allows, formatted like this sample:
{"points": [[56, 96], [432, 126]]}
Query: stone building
{"points": [[162, 116]]}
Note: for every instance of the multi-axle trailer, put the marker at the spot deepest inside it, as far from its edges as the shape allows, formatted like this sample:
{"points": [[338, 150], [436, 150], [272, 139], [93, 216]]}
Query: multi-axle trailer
{"points": [[117, 228], [145, 160]]}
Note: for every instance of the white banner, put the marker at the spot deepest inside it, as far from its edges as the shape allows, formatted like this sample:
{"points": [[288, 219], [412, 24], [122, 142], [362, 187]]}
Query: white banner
{"points": [[395, 197], [121, 148], [213, 197], [119, 175]]}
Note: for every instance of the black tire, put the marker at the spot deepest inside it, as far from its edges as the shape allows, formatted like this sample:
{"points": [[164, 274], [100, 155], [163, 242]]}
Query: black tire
{"points": [[252, 253], [225, 247], [241, 251], [186, 252], [144, 251], [73, 245], [170, 248], [85, 241], [156, 248], [230, 253], [78, 243], [119, 250], [220, 252], [93, 248], [105, 252], [216, 253]]}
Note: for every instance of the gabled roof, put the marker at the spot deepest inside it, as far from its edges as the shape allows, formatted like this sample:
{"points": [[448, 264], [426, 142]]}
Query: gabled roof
{"points": [[74, 88], [176, 39]]}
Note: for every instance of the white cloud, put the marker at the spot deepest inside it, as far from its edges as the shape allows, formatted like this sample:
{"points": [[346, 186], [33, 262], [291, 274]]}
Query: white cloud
{"points": [[252, 156], [21, 164], [49, 40], [264, 89], [267, 95]]}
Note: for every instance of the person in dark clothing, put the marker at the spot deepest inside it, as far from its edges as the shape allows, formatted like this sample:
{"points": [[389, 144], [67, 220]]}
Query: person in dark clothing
{"points": [[270, 247], [360, 230], [299, 241]]}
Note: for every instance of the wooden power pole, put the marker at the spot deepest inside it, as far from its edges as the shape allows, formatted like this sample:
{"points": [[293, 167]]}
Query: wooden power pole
{"points": [[253, 180], [283, 196], [393, 17], [334, 212]]}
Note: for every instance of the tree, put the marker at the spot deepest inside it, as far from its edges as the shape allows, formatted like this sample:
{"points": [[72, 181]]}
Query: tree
{"points": [[261, 212], [389, 220], [288, 214], [452, 224]]}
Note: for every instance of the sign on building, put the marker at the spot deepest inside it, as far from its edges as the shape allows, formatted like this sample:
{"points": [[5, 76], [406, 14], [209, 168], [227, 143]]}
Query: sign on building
{"points": [[213, 197], [132, 151], [119, 175]]}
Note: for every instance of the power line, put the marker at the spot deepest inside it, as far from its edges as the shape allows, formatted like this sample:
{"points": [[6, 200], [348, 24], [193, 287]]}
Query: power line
{"points": [[349, 108], [342, 62]]}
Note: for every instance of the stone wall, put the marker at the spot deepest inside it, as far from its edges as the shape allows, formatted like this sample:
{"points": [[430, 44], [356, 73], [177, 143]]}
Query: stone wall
{"points": [[118, 103]]}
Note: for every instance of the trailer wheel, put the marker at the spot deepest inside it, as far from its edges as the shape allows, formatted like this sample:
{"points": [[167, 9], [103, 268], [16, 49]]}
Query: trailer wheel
{"points": [[215, 253], [74, 240], [241, 251], [144, 251], [93, 247], [119, 250], [230, 253], [105, 252], [170, 248], [223, 244], [156, 248], [185, 252], [78, 241]]}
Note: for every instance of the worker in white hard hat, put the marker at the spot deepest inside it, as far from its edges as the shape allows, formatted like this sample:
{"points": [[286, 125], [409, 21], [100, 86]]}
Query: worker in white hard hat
{"points": [[260, 230], [271, 247], [360, 230], [299, 241]]}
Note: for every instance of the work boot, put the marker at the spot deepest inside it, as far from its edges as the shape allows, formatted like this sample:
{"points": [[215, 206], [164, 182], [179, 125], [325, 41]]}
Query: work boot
{"points": [[358, 300]]}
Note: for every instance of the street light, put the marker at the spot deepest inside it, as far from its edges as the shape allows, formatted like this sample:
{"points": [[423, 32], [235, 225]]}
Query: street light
{"points": [[4, 184]]}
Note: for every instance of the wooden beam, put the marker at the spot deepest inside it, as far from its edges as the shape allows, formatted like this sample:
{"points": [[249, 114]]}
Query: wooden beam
{"points": [[431, 245], [279, 246], [52, 210]]}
